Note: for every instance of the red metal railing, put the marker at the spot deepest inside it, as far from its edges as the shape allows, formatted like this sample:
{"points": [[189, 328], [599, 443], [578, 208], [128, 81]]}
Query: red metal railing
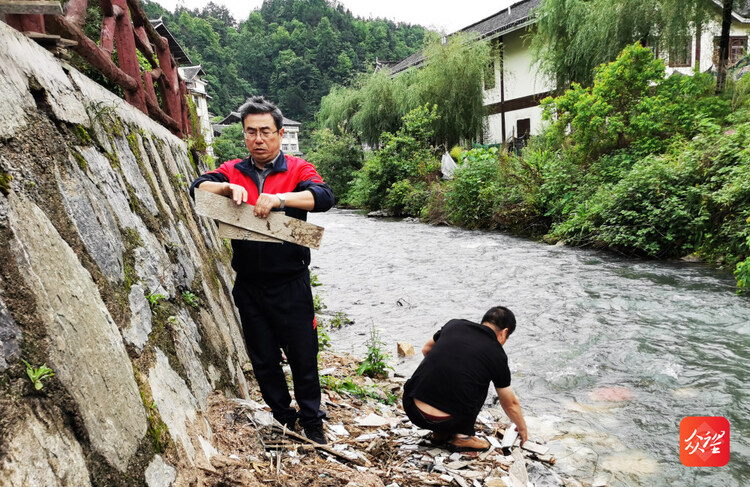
{"points": [[124, 26]]}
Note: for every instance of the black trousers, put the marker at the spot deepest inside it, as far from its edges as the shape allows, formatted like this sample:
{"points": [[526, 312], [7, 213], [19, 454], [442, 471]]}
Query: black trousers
{"points": [[281, 317], [453, 425]]}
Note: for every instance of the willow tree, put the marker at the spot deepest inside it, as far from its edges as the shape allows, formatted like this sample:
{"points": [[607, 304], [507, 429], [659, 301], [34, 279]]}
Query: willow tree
{"points": [[575, 36], [451, 78]]}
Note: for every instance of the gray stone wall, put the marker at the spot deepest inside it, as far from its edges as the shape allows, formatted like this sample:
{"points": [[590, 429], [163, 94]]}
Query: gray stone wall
{"points": [[109, 278]]}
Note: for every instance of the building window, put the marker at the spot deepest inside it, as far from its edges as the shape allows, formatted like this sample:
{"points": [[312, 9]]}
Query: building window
{"points": [[737, 49], [489, 71], [680, 57]]}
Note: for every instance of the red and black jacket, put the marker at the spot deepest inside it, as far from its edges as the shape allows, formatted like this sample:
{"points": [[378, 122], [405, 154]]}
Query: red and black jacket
{"points": [[265, 262]]}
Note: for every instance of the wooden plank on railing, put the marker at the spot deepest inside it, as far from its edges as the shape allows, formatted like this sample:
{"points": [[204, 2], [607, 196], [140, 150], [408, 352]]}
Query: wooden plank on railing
{"points": [[277, 224], [44, 7]]}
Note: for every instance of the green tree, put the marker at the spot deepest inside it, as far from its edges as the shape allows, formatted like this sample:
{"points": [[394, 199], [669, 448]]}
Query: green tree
{"points": [[230, 144], [326, 45], [405, 163], [337, 158], [451, 80], [575, 36]]}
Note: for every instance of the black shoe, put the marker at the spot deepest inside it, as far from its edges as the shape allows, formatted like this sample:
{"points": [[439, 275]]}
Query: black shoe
{"points": [[290, 423], [315, 433]]}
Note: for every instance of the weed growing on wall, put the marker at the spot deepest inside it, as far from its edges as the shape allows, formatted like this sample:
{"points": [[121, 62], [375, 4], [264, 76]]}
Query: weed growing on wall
{"points": [[38, 374]]}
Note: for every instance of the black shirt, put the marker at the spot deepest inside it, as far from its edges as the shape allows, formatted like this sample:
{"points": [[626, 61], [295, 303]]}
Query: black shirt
{"points": [[455, 375]]}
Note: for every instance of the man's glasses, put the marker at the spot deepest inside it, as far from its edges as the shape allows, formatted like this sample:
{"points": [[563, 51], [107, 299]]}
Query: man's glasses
{"points": [[264, 133]]}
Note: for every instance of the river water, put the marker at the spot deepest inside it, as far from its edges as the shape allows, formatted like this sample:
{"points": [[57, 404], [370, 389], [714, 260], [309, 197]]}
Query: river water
{"points": [[610, 353]]}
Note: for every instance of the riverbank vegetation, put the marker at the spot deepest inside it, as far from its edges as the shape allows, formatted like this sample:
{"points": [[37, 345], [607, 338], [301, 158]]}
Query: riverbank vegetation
{"points": [[638, 163]]}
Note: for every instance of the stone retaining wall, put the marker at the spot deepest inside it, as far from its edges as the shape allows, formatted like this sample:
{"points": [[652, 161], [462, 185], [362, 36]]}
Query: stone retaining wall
{"points": [[108, 277]]}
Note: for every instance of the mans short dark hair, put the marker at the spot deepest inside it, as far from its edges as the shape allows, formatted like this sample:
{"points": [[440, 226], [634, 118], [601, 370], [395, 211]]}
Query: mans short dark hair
{"points": [[259, 105], [501, 317]]}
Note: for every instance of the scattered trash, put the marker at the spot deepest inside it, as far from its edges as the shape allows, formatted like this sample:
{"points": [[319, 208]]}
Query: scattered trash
{"points": [[371, 444]]}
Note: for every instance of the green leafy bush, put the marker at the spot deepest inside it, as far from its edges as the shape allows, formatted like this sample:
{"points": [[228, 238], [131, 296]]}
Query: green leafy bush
{"points": [[405, 155], [230, 144], [742, 274], [471, 199], [337, 158], [492, 188]]}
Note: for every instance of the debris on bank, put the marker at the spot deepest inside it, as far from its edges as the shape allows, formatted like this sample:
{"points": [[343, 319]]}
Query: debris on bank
{"points": [[371, 443]]}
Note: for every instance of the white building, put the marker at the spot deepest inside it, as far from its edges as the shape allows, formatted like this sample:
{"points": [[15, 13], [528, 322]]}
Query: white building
{"points": [[513, 94], [196, 87], [702, 50], [512, 97], [290, 142]]}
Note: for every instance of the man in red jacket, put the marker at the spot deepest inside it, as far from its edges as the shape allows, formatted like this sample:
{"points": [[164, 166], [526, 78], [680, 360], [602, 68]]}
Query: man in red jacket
{"points": [[272, 289]]}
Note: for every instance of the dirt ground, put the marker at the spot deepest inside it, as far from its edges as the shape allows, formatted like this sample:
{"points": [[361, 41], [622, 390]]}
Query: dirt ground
{"points": [[371, 444]]}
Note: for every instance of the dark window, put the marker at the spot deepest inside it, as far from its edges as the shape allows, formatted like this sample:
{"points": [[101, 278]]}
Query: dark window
{"points": [[523, 132], [523, 127], [737, 49]]}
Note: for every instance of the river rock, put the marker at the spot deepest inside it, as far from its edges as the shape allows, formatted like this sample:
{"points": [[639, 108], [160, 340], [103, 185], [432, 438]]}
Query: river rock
{"points": [[404, 349], [41, 450], [542, 476], [159, 473], [82, 335], [140, 317], [176, 404]]}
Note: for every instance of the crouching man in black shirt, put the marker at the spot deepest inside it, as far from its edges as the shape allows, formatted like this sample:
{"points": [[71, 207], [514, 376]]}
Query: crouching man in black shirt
{"points": [[450, 386]]}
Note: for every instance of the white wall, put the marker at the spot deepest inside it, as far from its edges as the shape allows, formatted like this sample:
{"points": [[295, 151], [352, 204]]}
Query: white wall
{"points": [[493, 133], [520, 79], [520, 74], [709, 32]]}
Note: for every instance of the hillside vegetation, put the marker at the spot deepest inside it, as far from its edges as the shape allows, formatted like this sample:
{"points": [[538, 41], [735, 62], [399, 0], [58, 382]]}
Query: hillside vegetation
{"points": [[291, 51]]}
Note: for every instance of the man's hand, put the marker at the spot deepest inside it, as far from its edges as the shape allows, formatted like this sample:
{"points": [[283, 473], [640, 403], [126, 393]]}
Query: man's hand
{"points": [[512, 408], [266, 202], [236, 192]]}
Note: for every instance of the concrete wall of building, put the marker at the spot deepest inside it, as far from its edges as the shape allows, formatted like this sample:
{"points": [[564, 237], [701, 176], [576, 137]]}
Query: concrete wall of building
{"points": [[708, 44]]}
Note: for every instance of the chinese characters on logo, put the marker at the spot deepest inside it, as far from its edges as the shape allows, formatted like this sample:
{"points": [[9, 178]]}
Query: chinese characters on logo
{"points": [[704, 441]]}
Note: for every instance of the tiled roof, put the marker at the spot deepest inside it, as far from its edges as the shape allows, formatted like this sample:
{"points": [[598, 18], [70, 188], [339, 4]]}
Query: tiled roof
{"points": [[174, 47], [505, 20], [516, 14], [742, 7], [189, 72]]}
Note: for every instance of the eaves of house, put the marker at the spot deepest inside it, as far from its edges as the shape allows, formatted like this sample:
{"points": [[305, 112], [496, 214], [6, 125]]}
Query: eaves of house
{"points": [[517, 16]]}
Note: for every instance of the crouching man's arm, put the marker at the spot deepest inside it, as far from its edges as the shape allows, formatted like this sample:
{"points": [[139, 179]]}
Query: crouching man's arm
{"points": [[512, 408], [427, 347]]}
